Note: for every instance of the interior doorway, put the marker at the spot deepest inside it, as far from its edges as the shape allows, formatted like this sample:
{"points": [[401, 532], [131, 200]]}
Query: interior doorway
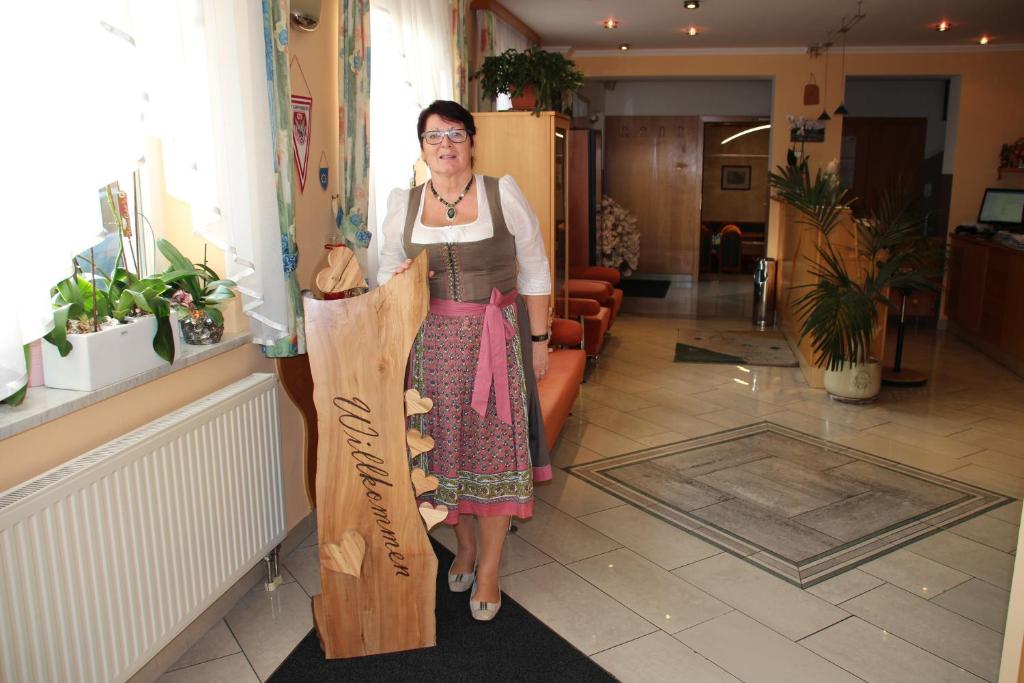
{"points": [[734, 194], [897, 132]]}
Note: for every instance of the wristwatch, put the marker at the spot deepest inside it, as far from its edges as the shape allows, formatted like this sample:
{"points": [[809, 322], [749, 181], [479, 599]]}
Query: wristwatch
{"points": [[539, 337]]}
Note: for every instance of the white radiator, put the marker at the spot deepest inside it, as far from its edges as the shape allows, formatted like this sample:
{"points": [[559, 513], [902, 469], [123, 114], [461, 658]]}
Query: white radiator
{"points": [[105, 559]]}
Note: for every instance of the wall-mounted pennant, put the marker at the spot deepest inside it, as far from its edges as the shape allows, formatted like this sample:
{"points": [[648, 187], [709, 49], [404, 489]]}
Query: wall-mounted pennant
{"points": [[302, 126], [302, 108], [323, 170]]}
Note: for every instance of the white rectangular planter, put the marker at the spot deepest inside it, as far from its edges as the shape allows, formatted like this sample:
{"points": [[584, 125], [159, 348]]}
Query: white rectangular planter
{"points": [[104, 357]]}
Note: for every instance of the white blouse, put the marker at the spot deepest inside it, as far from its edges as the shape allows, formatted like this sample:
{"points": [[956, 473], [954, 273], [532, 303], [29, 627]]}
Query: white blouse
{"points": [[534, 276]]}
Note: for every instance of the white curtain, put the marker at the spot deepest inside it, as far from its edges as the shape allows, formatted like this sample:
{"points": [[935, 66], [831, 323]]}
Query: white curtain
{"points": [[73, 125], [191, 72], [411, 67], [210, 108]]}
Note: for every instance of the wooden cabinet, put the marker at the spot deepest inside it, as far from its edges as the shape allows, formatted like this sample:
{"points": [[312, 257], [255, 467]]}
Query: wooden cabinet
{"points": [[985, 297], [535, 151]]}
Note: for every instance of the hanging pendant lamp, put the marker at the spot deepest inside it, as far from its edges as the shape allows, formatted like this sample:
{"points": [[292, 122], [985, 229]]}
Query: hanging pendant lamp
{"points": [[824, 112], [841, 109]]}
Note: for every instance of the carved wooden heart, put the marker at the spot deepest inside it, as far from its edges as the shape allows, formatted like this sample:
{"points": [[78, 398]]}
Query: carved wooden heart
{"points": [[418, 443], [433, 515], [342, 273], [416, 404], [345, 556], [422, 482]]}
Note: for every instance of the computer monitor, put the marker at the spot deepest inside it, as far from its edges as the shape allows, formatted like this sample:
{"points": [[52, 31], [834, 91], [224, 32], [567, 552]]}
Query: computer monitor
{"points": [[1002, 208]]}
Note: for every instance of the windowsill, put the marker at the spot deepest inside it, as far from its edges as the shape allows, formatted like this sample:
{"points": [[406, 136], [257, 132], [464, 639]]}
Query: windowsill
{"points": [[43, 404]]}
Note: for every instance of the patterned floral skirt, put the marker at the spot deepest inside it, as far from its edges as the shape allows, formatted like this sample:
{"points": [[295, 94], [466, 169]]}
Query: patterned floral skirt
{"points": [[482, 464]]}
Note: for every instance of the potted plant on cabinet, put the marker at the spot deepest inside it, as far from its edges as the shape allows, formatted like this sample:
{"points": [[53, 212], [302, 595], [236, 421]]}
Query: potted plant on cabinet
{"points": [[841, 310], [195, 293], [549, 75]]}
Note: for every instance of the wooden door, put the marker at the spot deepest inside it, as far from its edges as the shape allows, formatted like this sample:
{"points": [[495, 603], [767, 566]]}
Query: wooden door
{"points": [[884, 150], [653, 169]]}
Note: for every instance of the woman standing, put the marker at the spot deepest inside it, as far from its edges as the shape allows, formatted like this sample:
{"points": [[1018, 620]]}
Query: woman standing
{"points": [[482, 348]]}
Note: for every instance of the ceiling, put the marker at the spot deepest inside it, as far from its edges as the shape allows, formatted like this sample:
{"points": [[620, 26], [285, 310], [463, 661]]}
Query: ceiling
{"points": [[744, 24]]}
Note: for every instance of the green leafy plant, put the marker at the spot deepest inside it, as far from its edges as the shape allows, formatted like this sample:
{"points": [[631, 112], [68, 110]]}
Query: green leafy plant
{"points": [[86, 302], [841, 310], [550, 74], [194, 288]]}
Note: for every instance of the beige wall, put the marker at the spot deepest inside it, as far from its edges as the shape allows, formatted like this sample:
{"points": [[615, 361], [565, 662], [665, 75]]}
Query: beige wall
{"points": [[990, 107], [37, 450]]}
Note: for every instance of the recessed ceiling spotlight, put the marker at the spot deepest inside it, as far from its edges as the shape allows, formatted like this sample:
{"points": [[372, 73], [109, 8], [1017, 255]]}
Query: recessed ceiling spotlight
{"points": [[610, 23], [624, 47], [983, 40], [692, 4], [943, 26], [692, 31]]}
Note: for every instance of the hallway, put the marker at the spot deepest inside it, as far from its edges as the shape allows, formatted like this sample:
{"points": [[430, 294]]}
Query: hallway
{"points": [[650, 602]]}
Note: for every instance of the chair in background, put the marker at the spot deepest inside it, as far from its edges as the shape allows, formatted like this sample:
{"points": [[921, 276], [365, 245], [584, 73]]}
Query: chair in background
{"points": [[730, 249], [595, 318], [602, 274], [599, 290]]}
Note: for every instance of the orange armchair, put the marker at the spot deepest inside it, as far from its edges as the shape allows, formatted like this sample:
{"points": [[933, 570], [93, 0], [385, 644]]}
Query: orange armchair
{"points": [[600, 291], [595, 319], [561, 385]]}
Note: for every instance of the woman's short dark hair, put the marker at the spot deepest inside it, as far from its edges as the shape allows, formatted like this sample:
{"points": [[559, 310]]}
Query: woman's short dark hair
{"points": [[450, 111]]}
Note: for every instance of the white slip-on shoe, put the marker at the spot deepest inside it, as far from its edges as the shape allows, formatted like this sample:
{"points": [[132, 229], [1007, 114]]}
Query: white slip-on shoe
{"points": [[460, 583], [485, 611]]}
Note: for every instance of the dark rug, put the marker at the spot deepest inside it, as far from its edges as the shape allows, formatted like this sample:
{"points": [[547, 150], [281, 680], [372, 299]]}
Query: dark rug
{"points": [[742, 347], [651, 289], [516, 646], [695, 354]]}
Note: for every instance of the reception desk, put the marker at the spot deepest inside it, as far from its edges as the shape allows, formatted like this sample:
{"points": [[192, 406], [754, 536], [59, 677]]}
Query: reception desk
{"points": [[985, 298]]}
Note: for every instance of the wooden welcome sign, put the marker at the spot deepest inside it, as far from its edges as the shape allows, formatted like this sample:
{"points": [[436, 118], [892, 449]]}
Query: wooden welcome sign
{"points": [[377, 568]]}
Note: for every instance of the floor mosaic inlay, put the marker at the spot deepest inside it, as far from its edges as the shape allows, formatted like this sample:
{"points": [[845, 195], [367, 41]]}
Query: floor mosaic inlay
{"points": [[799, 507]]}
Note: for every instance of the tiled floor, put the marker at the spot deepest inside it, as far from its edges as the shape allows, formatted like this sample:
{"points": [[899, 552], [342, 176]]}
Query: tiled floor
{"points": [[650, 602]]}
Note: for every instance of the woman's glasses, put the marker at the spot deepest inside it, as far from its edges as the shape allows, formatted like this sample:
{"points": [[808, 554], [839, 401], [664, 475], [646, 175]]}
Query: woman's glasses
{"points": [[434, 137]]}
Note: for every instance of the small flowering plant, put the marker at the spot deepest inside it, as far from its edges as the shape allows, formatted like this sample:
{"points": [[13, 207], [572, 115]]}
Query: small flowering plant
{"points": [[618, 237], [194, 288], [803, 129]]}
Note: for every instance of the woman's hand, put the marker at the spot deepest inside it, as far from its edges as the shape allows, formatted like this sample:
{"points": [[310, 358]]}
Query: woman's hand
{"points": [[540, 359]]}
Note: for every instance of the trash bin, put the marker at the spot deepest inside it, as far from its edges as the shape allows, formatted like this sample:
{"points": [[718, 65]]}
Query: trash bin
{"points": [[764, 293]]}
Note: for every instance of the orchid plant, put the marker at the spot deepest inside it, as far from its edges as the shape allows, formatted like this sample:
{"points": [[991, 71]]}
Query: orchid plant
{"points": [[618, 237]]}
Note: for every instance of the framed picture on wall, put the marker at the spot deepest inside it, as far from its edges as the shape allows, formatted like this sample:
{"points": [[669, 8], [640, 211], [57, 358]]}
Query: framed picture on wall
{"points": [[735, 177]]}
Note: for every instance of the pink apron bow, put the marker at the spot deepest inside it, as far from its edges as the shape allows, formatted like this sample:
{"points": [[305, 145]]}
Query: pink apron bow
{"points": [[492, 361]]}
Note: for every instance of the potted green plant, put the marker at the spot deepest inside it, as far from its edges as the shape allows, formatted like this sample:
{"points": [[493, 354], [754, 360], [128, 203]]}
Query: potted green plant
{"points": [[118, 326], [841, 310], [195, 291], [550, 76]]}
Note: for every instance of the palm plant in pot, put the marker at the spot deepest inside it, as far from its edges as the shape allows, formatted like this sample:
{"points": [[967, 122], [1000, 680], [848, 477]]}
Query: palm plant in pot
{"points": [[842, 309], [549, 75], [196, 291]]}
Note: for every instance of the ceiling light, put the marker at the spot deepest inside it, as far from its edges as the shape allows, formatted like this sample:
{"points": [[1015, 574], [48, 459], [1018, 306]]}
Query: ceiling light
{"points": [[624, 47], [692, 4], [692, 31], [610, 23], [942, 26], [741, 134], [983, 41]]}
